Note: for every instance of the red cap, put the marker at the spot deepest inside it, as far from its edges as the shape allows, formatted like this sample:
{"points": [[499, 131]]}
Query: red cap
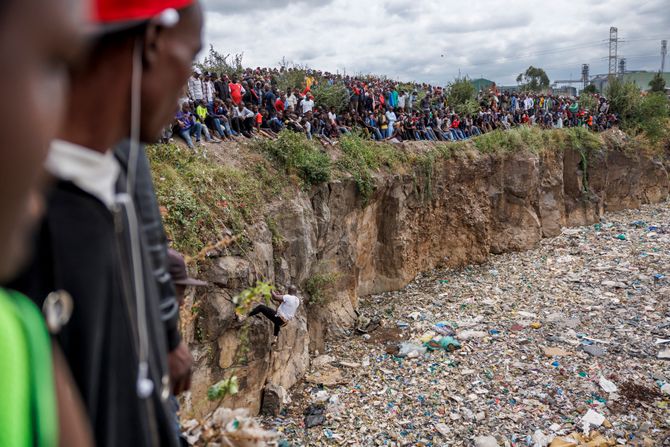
{"points": [[106, 12]]}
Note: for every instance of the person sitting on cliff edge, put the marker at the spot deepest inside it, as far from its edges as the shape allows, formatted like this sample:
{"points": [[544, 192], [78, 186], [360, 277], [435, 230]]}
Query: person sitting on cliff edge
{"points": [[288, 307]]}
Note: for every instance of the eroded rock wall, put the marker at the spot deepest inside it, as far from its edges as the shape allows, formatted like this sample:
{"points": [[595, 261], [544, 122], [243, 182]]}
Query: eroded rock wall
{"points": [[468, 207]]}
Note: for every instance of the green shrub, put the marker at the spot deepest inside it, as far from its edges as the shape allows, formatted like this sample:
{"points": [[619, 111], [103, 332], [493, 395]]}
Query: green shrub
{"points": [[624, 99], [327, 96], [653, 116], [361, 157], [320, 287], [299, 156], [203, 198]]}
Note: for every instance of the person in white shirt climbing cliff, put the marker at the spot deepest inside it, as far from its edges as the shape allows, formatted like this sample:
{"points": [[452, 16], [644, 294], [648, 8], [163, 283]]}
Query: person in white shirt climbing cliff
{"points": [[288, 307]]}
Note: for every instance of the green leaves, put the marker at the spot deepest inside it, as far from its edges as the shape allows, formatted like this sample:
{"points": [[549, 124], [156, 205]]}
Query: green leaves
{"points": [[299, 156], [461, 96], [227, 387], [327, 96], [657, 83], [534, 79], [245, 300], [647, 114]]}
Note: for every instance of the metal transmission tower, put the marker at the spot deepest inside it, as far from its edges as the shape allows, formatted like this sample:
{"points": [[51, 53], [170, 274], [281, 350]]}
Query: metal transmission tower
{"points": [[614, 40], [664, 51], [585, 74], [622, 67]]}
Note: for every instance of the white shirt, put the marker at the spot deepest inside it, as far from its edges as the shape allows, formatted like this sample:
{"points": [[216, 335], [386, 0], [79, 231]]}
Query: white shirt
{"points": [[195, 88], [307, 105], [244, 113], [288, 308], [208, 91], [292, 101], [89, 170]]}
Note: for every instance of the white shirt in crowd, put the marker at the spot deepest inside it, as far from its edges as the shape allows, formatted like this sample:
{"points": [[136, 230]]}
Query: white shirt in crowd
{"points": [[288, 308], [195, 89], [208, 91], [292, 101], [401, 101], [528, 103], [307, 105], [390, 116], [244, 113], [332, 118]]}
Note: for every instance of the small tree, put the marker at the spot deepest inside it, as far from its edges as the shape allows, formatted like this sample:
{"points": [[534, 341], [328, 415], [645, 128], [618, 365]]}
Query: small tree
{"points": [[590, 89], [624, 98], [653, 116], [222, 64], [461, 97], [460, 91], [657, 83], [534, 79], [335, 95]]}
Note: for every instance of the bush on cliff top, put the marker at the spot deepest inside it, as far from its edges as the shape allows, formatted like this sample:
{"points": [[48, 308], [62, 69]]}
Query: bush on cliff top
{"points": [[201, 198], [298, 156]]}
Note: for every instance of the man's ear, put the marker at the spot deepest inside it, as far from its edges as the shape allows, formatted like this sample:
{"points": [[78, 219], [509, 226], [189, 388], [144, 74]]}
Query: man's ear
{"points": [[153, 44]]}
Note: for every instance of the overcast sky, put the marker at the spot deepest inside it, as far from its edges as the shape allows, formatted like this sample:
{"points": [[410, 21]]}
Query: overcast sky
{"points": [[430, 40]]}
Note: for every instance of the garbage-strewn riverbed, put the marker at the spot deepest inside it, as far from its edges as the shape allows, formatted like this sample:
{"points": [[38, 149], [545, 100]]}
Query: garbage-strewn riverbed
{"points": [[560, 346]]}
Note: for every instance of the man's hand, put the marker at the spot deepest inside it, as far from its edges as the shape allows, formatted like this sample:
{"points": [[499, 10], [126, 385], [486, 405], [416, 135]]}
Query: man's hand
{"points": [[180, 362]]}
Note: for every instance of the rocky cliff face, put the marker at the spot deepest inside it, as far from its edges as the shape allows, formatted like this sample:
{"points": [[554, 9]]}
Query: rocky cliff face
{"points": [[459, 212]]}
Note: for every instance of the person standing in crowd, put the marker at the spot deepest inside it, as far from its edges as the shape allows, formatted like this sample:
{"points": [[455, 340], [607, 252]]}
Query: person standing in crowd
{"points": [[221, 87], [208, 91], [195, 90], [40, 403], [236, 91], [91, 242]]}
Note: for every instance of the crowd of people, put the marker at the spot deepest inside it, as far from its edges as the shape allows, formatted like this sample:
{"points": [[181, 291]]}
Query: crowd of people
{"points": [[252, 104]]}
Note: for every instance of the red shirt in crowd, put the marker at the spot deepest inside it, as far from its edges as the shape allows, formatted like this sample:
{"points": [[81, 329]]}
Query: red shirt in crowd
{"points": [[279, 105], [235, 93]]}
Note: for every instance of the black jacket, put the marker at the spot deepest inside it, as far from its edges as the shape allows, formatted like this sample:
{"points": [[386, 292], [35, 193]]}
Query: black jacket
{"points": [[154, 236], [83, 248]]}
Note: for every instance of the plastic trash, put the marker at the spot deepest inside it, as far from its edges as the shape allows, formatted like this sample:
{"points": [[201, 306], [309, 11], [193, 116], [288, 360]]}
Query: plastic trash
{"points": [[444, 328], [607, 386], [591, 419], [411, 350], [449, 344], [314, 415], [486, 441]]}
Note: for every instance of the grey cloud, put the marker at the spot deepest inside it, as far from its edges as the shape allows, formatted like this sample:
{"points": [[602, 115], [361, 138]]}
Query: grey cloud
{"points": [[406, 38], [236, 7]]}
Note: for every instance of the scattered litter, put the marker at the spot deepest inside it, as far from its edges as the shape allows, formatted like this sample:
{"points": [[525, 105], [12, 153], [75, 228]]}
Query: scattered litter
{"points": [[591, 419], [588, 375], [607, 386], [486, 441]]}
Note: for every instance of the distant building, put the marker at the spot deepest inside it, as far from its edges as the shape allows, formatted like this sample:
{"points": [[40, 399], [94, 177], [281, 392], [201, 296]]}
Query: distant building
{"points": [[639, 78], [564, 90], [481, 84]]}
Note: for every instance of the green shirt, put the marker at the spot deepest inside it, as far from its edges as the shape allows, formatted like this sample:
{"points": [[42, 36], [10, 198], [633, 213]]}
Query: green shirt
{"points": [[28, 414], [201, 112]]}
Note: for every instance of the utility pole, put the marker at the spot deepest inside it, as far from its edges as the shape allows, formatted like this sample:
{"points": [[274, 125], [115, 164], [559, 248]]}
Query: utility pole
{"points": [[622, 67], [664, 51], [614, 40], [585, 74]]}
